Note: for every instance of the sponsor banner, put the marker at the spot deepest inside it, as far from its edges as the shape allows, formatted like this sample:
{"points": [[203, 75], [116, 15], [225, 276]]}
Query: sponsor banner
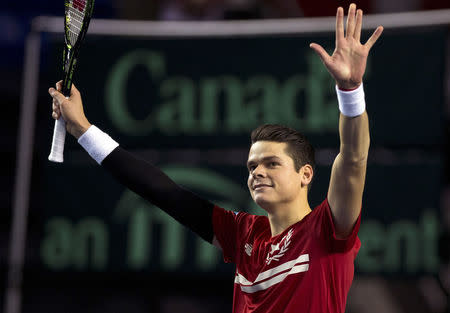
{"points": [[189, 105]]}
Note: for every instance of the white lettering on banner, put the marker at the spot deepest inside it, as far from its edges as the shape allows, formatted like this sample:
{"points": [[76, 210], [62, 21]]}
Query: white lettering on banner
{"points": [[274, 275]]}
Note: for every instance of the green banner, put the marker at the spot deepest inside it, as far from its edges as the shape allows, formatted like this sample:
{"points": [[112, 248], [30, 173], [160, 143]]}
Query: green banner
{"points": [[189, 105]]}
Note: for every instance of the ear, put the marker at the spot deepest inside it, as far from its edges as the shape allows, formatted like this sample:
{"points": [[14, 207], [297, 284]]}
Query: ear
{"points": [[307, 174]]}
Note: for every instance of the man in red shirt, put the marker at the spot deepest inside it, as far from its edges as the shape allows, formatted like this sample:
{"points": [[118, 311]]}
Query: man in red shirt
{"points": [[297, 259], [294, 259]]}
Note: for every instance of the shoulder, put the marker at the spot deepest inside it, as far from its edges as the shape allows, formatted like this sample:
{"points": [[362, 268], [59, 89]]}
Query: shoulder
{"points": [[232, 229], [322, 211], [318, 213], [252, 224], [241, 220], [324, 205], [323, 224]]}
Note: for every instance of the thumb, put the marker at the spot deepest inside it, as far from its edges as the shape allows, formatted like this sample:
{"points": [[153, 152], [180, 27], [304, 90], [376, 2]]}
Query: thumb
{"points": [[323, 55], [57, 96]]}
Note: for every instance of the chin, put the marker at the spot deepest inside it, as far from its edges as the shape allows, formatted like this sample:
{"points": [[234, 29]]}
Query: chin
{"points": [[264, 203]]}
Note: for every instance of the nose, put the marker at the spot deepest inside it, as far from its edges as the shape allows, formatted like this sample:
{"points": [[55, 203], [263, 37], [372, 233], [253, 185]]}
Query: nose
{"points": [[259, 171]]}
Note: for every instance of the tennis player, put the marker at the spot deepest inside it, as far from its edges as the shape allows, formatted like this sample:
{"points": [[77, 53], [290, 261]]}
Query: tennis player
{"points": [[295, 259]]}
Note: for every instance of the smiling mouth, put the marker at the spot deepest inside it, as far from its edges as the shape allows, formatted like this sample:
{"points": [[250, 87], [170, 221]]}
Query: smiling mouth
{"points": [[260, 187]]}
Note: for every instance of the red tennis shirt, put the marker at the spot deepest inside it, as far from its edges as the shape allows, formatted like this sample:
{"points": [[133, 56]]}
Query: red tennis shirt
{"points": [[305, 269]]}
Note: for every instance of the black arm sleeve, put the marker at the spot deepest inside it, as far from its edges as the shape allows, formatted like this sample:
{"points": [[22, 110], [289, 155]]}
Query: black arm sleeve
{"points": [[152, 184]]}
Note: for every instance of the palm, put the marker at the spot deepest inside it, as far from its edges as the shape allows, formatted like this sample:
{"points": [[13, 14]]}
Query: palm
{"points": [[347, 64]]}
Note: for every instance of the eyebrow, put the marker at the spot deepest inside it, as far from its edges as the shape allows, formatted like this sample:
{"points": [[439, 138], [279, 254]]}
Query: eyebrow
{"points": [[270, 157]]}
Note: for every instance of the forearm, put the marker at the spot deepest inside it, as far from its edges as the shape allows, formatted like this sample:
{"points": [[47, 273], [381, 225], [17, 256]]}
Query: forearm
{"points": [[354, 138], [349, 168], [150, 183], [155, 186]]}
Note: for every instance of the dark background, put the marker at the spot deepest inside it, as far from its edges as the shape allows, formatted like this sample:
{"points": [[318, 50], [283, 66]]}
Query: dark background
{"points": [[408, 167]]}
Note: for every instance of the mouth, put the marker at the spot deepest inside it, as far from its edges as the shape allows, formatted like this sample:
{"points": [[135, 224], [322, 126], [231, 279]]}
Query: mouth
{"points": [[260, 186]]}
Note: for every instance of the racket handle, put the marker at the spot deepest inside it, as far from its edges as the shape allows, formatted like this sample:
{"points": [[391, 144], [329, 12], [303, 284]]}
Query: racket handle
{"points": [[59, 137]]}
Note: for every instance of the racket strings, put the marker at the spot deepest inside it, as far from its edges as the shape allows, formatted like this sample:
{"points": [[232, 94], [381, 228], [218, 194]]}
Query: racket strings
{"points": [[74, 21]]}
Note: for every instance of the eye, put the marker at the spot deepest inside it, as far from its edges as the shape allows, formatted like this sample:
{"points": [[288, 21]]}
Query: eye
{"points": [[273, 164]]}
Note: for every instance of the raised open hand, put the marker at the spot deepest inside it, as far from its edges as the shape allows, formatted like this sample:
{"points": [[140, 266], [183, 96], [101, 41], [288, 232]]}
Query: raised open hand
{"points": [[348, 62]]}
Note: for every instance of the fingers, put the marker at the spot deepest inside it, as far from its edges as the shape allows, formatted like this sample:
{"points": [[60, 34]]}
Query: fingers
{"points": [[58, 99], [56, 95], [351, 23], [60, 104], [73, 90], [321, 52], [59, 85], [339, 24], [376, 34], [55, 106], [359, 15], [56, 111]]}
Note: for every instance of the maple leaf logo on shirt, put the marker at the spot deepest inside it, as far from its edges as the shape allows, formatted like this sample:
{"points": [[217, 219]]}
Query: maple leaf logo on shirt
{"points": [[275, 248], [286, 240]]}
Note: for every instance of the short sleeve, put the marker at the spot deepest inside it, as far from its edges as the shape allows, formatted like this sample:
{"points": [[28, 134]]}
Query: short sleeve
{"points": [[327, 230], [225, 225], [232, 229]]}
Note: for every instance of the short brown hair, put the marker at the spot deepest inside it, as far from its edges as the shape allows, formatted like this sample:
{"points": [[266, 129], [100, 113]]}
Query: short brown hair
{"points": [[298, 146]]}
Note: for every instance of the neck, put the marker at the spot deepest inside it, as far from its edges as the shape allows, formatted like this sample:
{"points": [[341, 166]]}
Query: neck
{"points": [[286, 215]]}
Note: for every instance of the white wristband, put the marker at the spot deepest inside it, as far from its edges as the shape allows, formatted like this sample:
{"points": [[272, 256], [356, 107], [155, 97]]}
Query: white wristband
{"points": [[351, 103], [97, 143]]}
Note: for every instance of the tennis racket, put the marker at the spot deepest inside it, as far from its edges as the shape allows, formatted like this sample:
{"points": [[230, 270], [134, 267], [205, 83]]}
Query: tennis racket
{"points": [[76, 22]]}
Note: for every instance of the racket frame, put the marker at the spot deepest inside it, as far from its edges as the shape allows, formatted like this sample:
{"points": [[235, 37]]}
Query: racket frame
{"points": [[70, 57]]}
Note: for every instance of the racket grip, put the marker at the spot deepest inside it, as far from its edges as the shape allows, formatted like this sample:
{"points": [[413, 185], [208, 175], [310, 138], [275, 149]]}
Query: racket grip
{"points": [[59, 137]]}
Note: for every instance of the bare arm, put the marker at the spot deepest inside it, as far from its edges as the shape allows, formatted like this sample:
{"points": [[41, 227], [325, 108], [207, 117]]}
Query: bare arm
{"points": [[347, 66], [348, 173]]}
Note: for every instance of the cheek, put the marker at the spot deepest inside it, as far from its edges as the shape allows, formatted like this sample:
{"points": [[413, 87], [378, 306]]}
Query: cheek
{"points": [[250, 190], [293, 185], [288, 183]]}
